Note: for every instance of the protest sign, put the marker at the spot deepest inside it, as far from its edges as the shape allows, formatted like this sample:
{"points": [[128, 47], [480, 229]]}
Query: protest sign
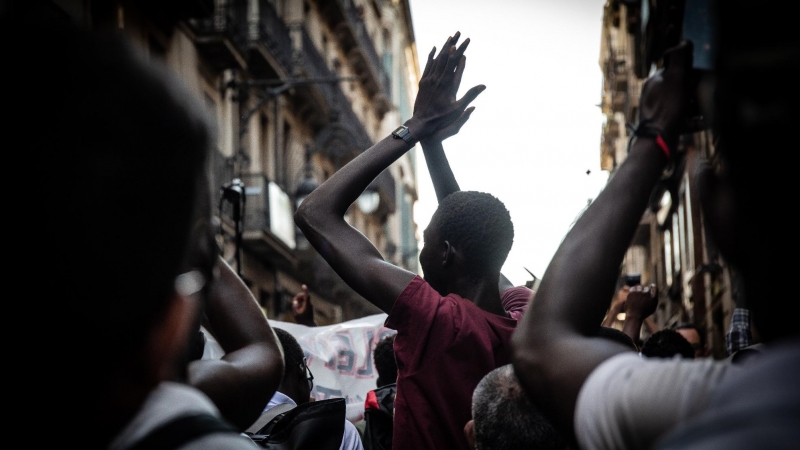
{"points": [[340, 358]]}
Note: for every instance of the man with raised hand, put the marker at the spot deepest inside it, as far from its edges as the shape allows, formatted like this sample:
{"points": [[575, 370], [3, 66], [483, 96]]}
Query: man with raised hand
{"points": [[604, 398], [451, 326], [593, 389]]}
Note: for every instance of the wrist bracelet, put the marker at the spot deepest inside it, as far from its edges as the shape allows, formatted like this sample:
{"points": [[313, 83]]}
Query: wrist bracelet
{"points": [[647, 129]]}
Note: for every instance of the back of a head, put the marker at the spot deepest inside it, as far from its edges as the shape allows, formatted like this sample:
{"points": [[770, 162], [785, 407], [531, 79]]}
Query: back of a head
{"points": [[690, 326], [294, 367], [385, 363], [480, 226], [667, 343], [504, 417], [755, 107], [292, 351], [121, 150]]}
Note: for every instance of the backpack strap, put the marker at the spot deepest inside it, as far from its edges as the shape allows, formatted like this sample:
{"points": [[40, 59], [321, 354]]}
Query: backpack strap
{"points": [[181, 430], [267, 416]]}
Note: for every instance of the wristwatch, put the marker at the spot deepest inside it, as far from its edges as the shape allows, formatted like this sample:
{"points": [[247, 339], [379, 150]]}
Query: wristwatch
{"points": [[402, 133]]}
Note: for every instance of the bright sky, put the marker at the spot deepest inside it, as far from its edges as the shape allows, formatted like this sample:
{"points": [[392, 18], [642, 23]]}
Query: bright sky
{"points": [[536, 128]]}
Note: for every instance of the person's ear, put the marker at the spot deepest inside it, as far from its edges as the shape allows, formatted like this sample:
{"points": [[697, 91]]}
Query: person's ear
{"points": [[169, 338], [719, 208], [447, 254], [469, 432]]}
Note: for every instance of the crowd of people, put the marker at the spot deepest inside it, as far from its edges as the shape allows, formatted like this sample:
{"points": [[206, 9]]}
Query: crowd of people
{"points": [[146, 338]]}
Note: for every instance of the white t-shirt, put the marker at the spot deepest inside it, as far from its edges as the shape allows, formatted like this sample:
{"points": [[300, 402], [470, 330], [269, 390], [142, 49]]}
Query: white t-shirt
{"points": [[170, 400], [629, 401]]}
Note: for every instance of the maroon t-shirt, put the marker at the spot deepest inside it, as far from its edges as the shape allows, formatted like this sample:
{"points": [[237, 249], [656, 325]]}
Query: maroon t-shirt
{"points": [[443, 347]]}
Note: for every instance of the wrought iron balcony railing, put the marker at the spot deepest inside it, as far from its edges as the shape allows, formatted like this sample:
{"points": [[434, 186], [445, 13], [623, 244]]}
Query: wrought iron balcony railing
{"points": [[366, 46]]}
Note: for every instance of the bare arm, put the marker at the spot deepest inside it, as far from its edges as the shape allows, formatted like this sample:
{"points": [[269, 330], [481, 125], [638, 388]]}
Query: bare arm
{"points": [[617, 306], [444, 181], [243, 381], [321, 215], [556, 347]]}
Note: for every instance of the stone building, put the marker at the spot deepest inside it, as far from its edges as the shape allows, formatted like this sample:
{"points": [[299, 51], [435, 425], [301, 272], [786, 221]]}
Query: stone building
{"points": [[298, 88], [670, 247]]}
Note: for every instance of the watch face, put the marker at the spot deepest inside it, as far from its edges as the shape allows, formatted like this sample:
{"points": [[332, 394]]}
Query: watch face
{"points": [[401, 131]]}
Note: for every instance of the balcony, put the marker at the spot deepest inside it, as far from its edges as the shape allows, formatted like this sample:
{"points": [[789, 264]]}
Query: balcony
{"points": [[222, 37], [615, 71], [619, 101], [271, 44], [329, 98], [269, 229], [344, 17]]}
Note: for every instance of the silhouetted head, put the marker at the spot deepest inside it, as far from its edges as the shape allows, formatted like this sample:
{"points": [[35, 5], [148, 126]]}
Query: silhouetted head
{"points": [[667, 343], [385, 363], [755, 107], [696, 338], [469, 236], [119, 148]]}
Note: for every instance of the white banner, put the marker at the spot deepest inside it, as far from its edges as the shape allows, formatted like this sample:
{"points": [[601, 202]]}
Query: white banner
{"points": [[340, 358]]}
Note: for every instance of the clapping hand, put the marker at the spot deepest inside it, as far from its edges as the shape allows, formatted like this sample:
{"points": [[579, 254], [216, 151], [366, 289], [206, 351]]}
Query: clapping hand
{"points": [[665, 95], [436, 107], [452, 129], [641, 301]]}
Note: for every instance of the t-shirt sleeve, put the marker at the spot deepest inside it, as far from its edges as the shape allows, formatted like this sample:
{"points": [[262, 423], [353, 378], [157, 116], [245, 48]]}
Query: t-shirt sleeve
{"points": [[413, 315], [515, 301], [629, 401], [415, 304]]}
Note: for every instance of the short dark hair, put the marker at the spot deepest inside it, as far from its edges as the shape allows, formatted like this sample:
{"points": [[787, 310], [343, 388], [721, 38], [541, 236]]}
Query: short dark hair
{"points": [[292, 351], [667, 343], [120, 147], [504, 417], [480, 226], [385, 363], [120, 176]]}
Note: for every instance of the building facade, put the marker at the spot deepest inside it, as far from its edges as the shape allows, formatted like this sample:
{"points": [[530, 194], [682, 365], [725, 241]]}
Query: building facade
{"points": [[297, 89], [670, 247]]}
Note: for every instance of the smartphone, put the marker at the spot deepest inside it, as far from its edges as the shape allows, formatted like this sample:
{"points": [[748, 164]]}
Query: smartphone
{"points": [[633, 279]]}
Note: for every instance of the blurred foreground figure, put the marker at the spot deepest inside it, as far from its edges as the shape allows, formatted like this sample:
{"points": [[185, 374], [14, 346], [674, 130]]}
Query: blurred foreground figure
{"points": [[119, 212], [605, 398]]}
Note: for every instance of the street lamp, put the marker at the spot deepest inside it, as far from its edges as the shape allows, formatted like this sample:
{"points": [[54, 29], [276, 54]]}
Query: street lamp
{"points": [[369, 200]]}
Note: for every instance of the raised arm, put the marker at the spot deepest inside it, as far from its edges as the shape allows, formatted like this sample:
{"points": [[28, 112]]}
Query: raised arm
{"points": [[555, 346], [444, 181], [243, 381], [321, 215], [617, 306]]}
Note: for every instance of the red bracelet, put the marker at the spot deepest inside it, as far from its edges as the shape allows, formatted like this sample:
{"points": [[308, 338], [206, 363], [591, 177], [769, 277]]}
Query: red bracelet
{"points": [[646, 129], [663, 145]]}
